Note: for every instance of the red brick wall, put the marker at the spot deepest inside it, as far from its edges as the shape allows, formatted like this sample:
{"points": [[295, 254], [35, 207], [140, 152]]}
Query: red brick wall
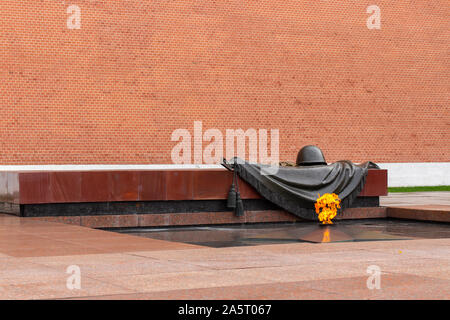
{"points": [[113, 91]]}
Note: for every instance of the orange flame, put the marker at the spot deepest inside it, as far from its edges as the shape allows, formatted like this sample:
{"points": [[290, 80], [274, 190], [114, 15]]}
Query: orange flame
{"points": [[329, 203], [326, 235]]}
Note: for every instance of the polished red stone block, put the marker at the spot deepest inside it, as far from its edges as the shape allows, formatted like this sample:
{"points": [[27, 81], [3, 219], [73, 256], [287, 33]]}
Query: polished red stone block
{"points": [[376, 184], [211, 184], [63, 186], [179, 185], [96, 187], [152, 185], [125, 185], [139, 185]]}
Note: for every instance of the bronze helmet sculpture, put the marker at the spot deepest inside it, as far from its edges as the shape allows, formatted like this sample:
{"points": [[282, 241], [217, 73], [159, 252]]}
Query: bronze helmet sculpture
{"points": [[310, 156]]}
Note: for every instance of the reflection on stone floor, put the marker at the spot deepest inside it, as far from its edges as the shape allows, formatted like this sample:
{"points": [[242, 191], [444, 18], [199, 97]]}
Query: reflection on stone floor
{"points": [[342, 231]]}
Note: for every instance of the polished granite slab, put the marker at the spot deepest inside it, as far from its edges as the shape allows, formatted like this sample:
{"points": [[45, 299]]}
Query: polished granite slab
{"points": [[312, 232], [43, 187]]}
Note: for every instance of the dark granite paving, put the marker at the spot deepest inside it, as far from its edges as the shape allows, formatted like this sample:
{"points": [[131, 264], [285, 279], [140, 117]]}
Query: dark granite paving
{"points": [[341, 231]]}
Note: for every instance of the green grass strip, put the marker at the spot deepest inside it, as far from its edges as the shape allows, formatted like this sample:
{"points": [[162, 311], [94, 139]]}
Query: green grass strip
{"points": [[419, 189]]}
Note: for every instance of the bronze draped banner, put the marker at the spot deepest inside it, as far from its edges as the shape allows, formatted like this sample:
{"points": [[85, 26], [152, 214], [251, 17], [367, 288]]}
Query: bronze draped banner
{"points": [[296, 189]]}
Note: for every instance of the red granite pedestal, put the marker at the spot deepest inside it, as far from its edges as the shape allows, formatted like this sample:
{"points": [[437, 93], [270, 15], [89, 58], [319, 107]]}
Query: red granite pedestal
{"points": [[138, 198]]}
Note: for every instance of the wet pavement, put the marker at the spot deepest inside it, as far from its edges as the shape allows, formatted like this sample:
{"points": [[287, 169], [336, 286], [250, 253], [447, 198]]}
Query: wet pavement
{"points": [[264, 261], [35, 255], [259, 234]]}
